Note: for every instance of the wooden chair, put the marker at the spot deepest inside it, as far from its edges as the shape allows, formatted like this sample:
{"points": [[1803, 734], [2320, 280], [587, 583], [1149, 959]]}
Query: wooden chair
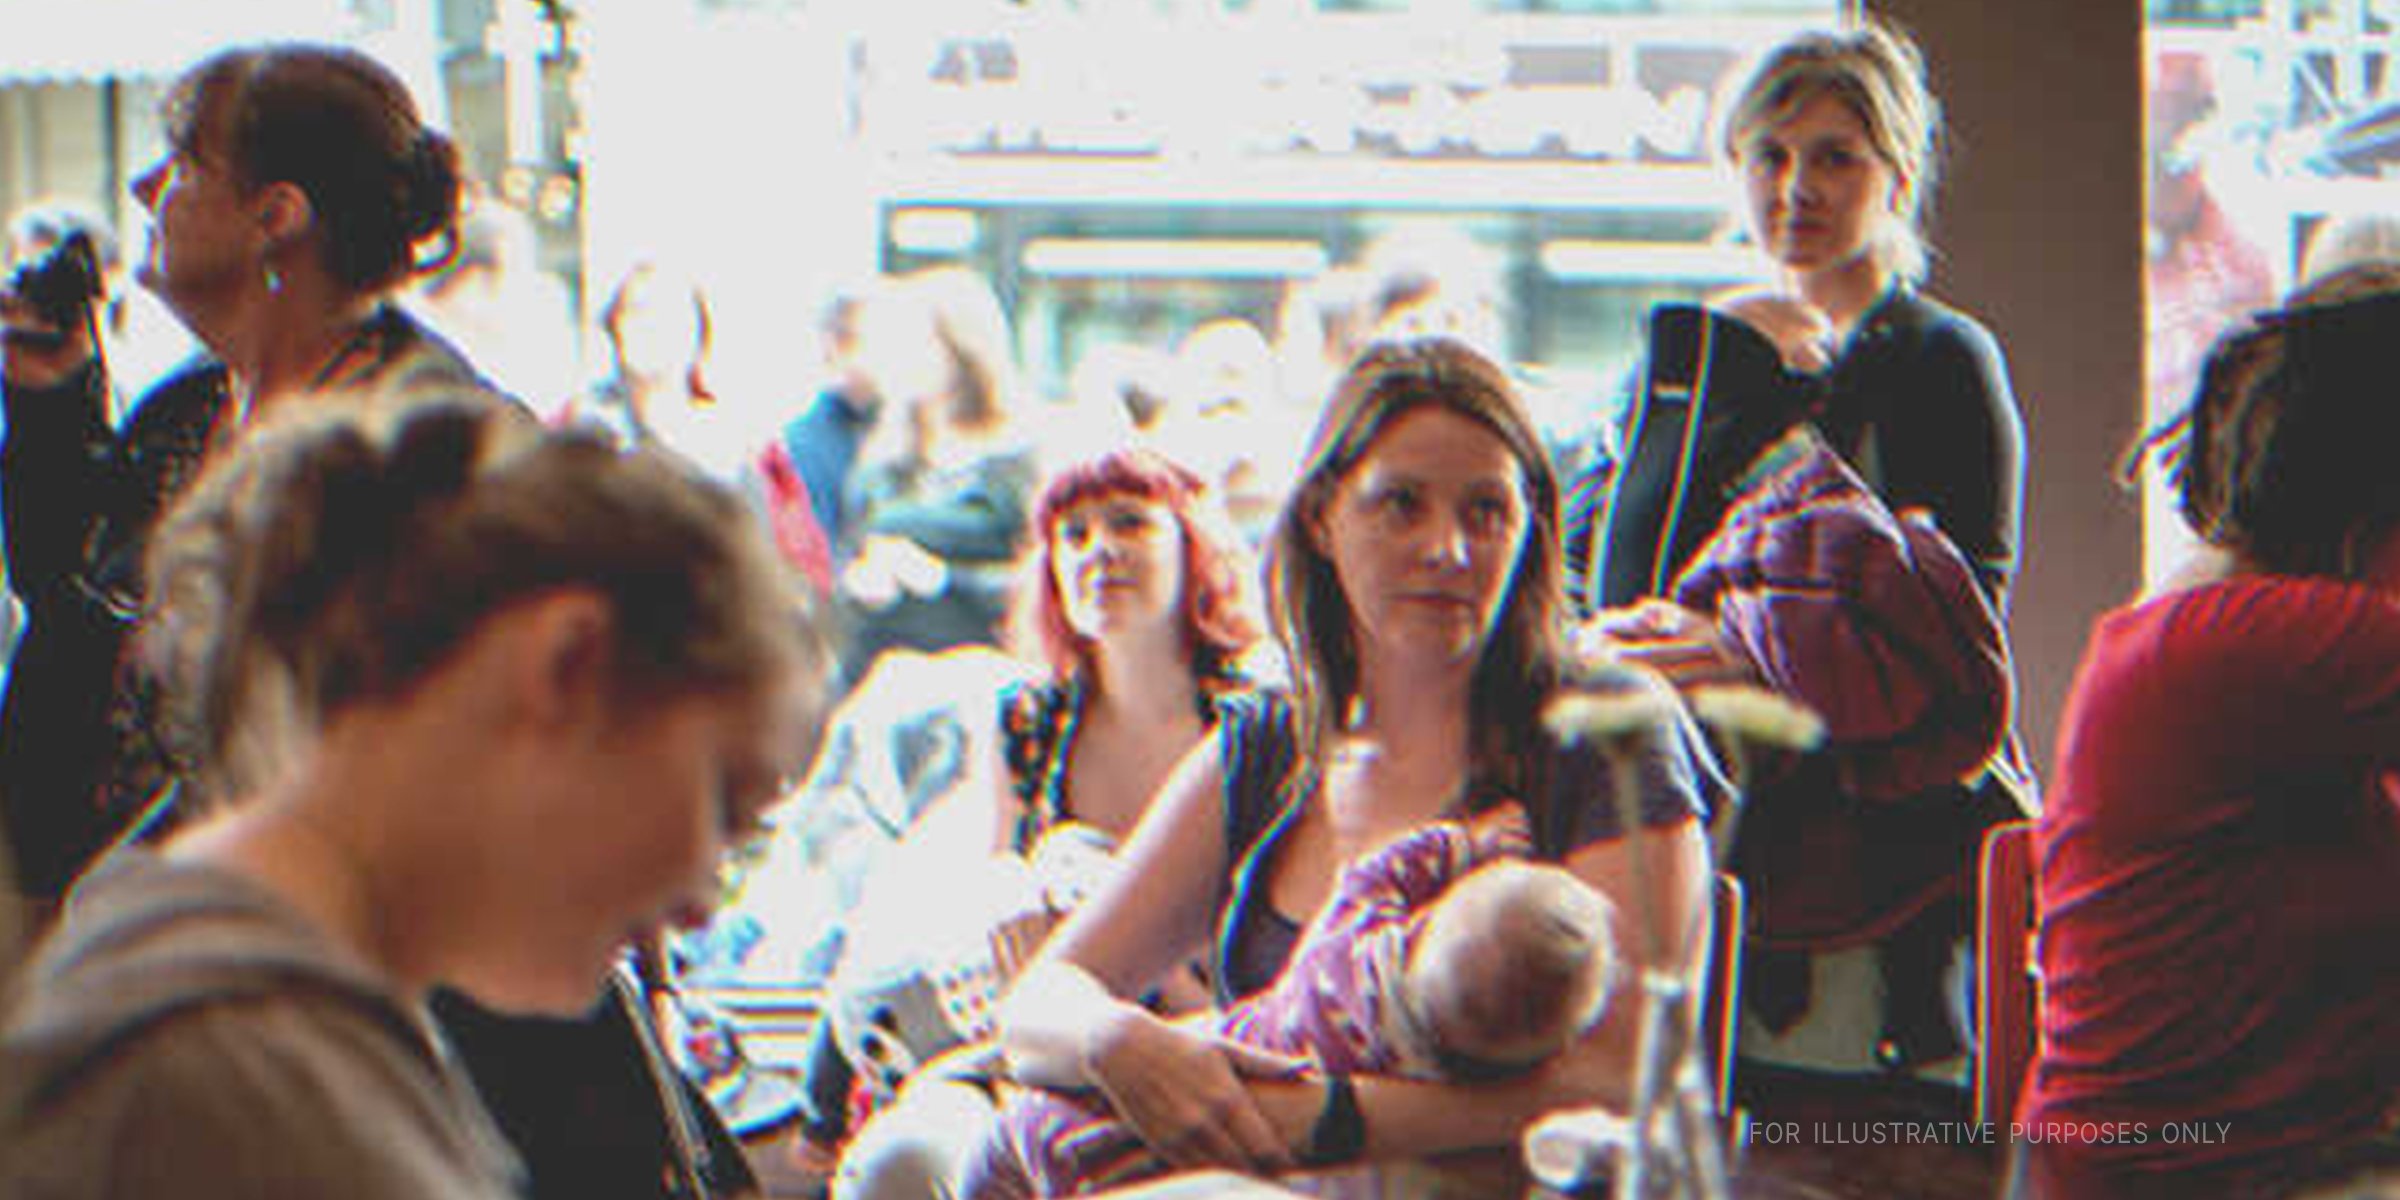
{"points": [[2007, 972]]}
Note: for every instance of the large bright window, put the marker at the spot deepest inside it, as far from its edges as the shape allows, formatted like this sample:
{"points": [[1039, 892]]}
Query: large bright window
{"points": [[2273, 138], [1130, 177]]}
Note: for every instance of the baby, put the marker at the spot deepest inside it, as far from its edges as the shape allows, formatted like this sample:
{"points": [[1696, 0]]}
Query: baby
{"points": [[1444, 954]]}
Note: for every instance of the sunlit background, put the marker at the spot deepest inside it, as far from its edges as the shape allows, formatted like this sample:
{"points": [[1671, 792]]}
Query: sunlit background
{"points": [[1171, 186], [1129, 172]]}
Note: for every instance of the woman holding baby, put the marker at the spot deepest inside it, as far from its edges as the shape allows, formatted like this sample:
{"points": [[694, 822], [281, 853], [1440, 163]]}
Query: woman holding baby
{"points": [[1415, 586]]}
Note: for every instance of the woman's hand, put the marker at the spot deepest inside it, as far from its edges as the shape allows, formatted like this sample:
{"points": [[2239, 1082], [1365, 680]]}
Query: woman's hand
{"points": [[1184, 1093], [1683, 645]]}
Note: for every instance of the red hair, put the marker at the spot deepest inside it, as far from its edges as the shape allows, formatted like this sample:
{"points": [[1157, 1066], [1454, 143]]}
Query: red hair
{"points": [[1220, 607]]}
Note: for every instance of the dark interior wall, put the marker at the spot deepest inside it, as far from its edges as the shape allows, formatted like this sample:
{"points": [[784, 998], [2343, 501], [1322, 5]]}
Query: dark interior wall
{"points": [[2038, 229]]}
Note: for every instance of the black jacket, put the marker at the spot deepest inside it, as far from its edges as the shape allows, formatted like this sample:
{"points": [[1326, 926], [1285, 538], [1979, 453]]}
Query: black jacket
{"points": [[81, 749]]}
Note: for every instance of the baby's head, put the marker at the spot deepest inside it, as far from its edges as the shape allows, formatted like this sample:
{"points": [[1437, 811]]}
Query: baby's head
{"points": [[1512, 963]]}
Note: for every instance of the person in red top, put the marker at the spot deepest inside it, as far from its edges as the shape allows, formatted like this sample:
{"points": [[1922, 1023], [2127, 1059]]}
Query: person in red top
{"points": [[2221, 997]]}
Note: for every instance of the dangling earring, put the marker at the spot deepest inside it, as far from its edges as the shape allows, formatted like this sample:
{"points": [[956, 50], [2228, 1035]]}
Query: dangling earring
{"points": [[274, 281]]}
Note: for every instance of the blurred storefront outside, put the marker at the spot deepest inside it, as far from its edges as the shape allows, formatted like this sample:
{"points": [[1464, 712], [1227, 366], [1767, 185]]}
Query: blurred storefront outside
{"points": [[2274, 151], [1126, 171], [1133, 170]]}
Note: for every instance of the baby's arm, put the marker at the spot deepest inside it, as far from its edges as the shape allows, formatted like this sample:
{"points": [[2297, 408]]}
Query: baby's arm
{"points": [[1414, 869]]}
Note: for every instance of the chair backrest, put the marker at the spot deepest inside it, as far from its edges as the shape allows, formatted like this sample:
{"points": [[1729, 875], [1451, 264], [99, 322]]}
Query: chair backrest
{"points": [[1721, 1003], [2007, 983]]}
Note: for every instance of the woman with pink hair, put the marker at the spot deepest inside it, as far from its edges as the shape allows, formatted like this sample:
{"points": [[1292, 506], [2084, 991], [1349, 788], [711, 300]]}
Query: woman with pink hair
{"points": [[1136, 606]]}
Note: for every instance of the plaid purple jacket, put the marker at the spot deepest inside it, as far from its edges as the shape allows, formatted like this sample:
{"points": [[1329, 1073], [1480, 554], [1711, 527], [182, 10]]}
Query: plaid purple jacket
{"points": [[1872, 619], [1875, 621]]}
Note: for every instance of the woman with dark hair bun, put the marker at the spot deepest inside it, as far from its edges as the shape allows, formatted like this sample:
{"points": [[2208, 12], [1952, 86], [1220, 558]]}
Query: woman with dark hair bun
{"points": [[298, 191], [341, 129]]}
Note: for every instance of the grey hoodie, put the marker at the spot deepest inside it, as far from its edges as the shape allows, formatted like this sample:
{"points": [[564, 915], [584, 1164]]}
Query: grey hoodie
{"points": [[183, 1032]]}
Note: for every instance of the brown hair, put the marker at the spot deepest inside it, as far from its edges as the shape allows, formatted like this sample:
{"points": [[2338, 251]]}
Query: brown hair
{"points": [[340, 127], [2281, 454], [1305, 602], [1876, 71], [344, 552]]}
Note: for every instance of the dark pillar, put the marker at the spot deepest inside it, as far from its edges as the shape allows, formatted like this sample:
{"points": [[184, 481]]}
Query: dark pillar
{"points": [[2038, 232]]}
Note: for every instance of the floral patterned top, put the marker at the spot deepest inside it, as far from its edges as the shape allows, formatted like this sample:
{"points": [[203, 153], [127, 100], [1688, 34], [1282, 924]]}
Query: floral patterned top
{"points": [[1038, 723]]}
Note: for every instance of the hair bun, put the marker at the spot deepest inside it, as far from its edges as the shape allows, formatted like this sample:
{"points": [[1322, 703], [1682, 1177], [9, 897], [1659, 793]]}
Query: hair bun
{"points": [[430, 186], [369, 500], [434, 455]]}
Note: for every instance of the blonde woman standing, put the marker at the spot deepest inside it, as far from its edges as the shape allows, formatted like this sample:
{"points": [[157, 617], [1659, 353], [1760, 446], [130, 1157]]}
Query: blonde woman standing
{"points": [[1837, 141], [1856, 970]]}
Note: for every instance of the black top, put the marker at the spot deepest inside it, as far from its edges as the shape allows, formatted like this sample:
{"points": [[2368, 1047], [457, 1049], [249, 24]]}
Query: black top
{"points": [[586, 1107], [1920, 405], [80, 499], [81, 751]]}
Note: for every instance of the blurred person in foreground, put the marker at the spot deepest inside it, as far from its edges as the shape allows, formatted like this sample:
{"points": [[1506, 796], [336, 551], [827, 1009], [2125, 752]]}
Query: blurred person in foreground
{"points": [[405, 647], [2216, 857]]}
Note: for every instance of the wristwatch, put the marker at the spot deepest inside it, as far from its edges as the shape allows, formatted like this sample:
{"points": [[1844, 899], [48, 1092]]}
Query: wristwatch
{"points": [[1341, 1129]]}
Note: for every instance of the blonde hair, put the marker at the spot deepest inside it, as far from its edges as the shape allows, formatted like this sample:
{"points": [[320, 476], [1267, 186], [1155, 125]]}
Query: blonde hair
{"points": [[1876, 71]]}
